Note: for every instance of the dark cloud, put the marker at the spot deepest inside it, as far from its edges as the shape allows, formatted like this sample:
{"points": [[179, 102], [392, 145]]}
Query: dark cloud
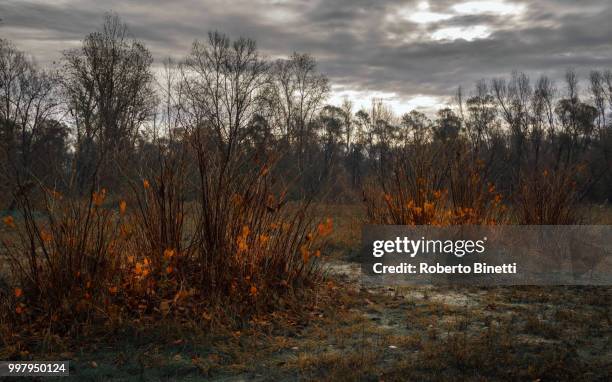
{"points": [[367, 46]]}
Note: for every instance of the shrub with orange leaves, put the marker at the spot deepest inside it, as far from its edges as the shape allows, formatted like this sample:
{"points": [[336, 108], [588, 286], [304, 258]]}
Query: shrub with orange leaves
{"points": [[428, 187], [67, 251], [247, 236], [245, 249], [156, 224]]}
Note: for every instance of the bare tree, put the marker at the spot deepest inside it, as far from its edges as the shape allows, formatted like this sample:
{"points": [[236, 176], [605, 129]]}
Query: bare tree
{"points": [[599, 96], [481, 115], [418, 127], [224, 82], [27, 100], [607, 77], [108, 87], [544, 94], [300, 92], [514, 98], [347, 113], [28, 111], [542, 115]]}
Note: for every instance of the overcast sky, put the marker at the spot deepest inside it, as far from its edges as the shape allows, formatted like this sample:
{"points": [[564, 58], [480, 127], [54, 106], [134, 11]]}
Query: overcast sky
{"points": [[411, 53]]}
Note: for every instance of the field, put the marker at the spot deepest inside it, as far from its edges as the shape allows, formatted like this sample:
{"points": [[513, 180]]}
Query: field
{"points": [[355, 331], [192, 208]]}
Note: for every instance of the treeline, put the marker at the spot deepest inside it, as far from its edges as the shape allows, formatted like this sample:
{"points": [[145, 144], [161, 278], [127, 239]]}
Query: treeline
{"points": [[105, 116]]}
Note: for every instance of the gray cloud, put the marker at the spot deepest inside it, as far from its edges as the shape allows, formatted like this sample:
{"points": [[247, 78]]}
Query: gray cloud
{"points": [[367, 46]]}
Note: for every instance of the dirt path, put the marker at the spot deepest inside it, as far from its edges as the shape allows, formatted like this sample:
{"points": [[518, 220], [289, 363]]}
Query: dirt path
{"points": [[433, 333]]}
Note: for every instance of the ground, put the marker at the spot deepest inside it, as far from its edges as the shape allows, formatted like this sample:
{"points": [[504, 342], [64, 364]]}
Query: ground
{"points": [[357, 331]]}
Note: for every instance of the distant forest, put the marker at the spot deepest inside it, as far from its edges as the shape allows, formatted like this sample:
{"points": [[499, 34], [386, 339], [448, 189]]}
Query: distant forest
{"points": [[105, 118]]}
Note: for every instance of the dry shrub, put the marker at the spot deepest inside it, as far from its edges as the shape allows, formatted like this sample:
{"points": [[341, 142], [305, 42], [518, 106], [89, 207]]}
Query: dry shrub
{"points": [[434, 184], [237, 251], [157, 219], [548, 197], [157, 255], [251, 248], [65, 255]]}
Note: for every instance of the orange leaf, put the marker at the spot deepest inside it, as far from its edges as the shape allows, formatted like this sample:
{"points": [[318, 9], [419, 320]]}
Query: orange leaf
{"points": [[326, 228], [305, 253], [18, 292], [45, 236], [98, 197], [245, 231], [122, 207], [263, 239], [168, 253], [9, 221]]}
